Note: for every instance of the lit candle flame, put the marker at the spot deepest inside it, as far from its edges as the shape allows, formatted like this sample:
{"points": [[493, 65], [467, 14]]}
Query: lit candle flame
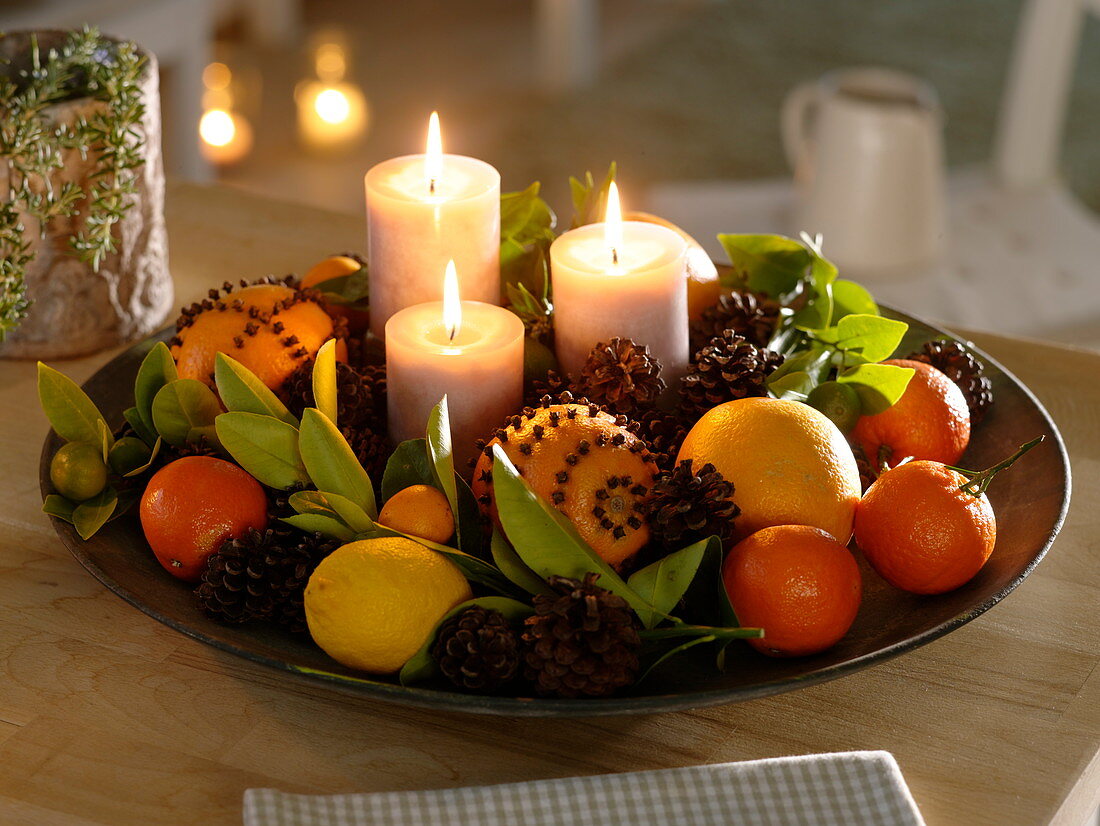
{"points": [[613, 223], [433, 160], [452, 304]]}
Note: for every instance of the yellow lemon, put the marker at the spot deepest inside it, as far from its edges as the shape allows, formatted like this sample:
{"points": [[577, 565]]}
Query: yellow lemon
{"points": [[419, 510], [789, 464], [371, 604]]}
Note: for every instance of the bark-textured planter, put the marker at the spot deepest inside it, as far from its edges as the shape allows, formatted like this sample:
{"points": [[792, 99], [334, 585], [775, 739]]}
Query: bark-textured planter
{"points": [[76, 310]]}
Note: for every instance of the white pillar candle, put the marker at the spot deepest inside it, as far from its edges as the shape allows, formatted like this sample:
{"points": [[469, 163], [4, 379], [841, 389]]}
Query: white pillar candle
{"points": [[475, 358], [623, 279], [423, 210]]}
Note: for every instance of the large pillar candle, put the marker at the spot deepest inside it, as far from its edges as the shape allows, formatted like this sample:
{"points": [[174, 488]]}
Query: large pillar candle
{"points": [[423, 210], [623, 279], [474, 357]]}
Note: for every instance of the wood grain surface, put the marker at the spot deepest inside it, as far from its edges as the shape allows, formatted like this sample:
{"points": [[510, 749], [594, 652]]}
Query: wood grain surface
{"points": [[107, 717]]}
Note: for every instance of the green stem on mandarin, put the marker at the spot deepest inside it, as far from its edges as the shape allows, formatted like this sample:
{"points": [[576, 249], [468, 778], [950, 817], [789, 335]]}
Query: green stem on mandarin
{"points": [[978, 481]]}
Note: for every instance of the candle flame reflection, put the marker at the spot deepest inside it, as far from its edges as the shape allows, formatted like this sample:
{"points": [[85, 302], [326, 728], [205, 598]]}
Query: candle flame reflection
{"points": [[433, 160], [613, 223], [452, 303]]}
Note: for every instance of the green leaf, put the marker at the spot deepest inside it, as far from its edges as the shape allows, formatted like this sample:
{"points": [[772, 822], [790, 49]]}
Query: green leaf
{"points": [[408, 465], [157, 369], [506, 558], [437, 435], [878, 386], [546, 541], [770, 264], [143, 431], [672, 652], [71, 413], [91, 515], [324, 380], [315, 523], [242, 391], [850, 298], [421, 666], [265, 447], [350, 513], [589, 200], [817, 312], [794, 386], [57, 505], [871, 338], [184, 410], [140, 469], [331, 464], [664, 582], [349, 290], [106, 440], [311, 501]]}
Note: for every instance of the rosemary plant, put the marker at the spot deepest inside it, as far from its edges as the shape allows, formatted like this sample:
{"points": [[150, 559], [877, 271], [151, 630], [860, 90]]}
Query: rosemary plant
{"points": [[32, 148]]}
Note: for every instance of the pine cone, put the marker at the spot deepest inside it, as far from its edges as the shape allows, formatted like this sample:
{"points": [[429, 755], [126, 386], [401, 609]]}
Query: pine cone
{"points": [[685, 506], [663, 432], [582, 641], [356, 401], [955, 361], [622, 375], [262, 576], [553, 386], [371, 449], [477, 650], [750, 315], [726, 369]]}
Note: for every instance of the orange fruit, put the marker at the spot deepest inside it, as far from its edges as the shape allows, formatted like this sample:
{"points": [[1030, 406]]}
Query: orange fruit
{"points": [[419, 510], [789, 464], [585, 464], [921, 532], [269, 328], [336, 266], [930, 421], [192, 505], [703, 287], [797, 583]]}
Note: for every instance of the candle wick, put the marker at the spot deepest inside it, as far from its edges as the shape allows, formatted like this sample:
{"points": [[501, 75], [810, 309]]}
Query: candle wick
{"points": [[431, 186], [452, 333], [614, 256]]}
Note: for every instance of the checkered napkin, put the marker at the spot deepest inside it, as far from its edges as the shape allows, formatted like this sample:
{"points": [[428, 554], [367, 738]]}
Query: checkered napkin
{"points": [[847, 789]]}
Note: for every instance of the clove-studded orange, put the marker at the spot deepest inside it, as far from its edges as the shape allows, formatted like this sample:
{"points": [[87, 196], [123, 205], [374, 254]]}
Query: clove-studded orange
{"points": [[270, 328], [585, 463]]}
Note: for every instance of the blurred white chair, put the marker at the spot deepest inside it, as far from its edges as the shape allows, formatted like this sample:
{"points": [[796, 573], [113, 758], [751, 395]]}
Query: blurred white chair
{"points": [[1022, 253]]}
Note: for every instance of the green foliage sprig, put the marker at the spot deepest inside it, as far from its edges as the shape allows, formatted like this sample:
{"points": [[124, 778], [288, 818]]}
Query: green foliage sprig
{"points": [[87, 65]]}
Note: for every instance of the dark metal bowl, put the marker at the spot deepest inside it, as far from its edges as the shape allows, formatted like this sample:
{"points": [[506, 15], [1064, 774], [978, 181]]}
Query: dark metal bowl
{"points": [[1030, 503]]}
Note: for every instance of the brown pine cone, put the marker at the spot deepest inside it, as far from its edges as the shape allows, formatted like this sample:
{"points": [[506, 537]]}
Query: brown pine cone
{"points": [[663, 432], [685, 506], [622, 375], [726, 369], [581, 642], [477, 650], [371, 449], [751, 315], [954, 360]]}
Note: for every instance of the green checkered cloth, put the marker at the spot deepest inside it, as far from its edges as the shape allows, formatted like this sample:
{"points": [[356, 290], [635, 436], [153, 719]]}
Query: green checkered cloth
{"points": [[846, 789]]}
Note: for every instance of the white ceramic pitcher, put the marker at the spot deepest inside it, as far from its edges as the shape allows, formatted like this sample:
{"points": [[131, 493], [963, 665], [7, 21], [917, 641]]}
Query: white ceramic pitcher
{"points": [[866, 147]]}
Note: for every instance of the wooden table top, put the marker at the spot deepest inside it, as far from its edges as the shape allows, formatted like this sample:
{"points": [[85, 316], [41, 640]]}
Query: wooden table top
{"points": [[108, 717]]}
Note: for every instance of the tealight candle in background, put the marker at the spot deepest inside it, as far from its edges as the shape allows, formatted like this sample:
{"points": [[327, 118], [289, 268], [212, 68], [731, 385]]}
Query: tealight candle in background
{"points": [[423, 210], [470, 351], [623, 279]]}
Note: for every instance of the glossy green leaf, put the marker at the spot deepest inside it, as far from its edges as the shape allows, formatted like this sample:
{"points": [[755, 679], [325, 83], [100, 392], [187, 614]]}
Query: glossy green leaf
{"points": [[324, 380], [421, 666], [157, 369], [71, 413], [153, 454], [672, 652], [546, 541], [590, 200], [878, 386], [106, 440], [408, 465], [91, 515], [794, 386], [331, 464], [850, 298], [316, 523], [143, 431], [663, 583], [242, 391], [349, 512], [265, 447], [184, 410], [437, 435], [57, 505], [769, 264], [509, 563], [311, 501], [870, 337]]}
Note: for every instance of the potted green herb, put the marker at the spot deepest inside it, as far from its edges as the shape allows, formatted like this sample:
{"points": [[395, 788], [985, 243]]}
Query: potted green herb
{"points": [[83, 248]]}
